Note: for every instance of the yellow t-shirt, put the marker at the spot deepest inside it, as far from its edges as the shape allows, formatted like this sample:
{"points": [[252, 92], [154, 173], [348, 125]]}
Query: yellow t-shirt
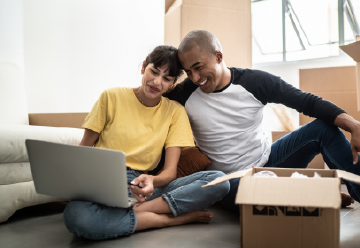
{"points": [[141, 132]]}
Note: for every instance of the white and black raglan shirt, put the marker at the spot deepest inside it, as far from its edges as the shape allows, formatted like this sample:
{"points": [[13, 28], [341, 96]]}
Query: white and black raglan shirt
{"points": [[227, 124]]}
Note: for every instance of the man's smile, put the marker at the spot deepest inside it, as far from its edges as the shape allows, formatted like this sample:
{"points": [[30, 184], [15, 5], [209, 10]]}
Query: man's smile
{"points": [[203, 82]]}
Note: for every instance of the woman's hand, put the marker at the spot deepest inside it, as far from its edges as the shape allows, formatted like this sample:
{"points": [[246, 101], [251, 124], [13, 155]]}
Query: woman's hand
{"points": [[142, 187]]}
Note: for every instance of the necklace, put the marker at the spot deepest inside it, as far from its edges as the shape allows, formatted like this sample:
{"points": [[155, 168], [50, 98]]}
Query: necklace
{"points": [[141, 101]]}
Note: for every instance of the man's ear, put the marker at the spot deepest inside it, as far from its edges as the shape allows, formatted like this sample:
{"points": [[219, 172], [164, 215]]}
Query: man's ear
{"points": [[143, 67], [218, 56]]}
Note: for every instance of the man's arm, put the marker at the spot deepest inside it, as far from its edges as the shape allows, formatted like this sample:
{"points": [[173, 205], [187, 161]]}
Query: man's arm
{"points": [[268, 88], [351, 125], [182, 91]]}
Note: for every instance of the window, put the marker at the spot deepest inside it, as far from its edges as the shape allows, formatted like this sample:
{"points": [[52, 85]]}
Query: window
{"points": [[267, 30], [305, 29], [351, 24]]}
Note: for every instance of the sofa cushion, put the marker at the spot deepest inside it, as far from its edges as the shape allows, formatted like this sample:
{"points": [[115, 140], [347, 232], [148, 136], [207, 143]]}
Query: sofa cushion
{"points": [[13, 107], [15, 173], [12, 139], [19, 195]]}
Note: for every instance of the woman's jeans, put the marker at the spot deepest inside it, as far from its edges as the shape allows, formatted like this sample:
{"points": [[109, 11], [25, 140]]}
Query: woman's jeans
{"points": [[97, 221], [298, 148]]}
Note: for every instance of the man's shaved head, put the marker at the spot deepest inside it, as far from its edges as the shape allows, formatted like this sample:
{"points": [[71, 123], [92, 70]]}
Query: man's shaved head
{"points": [[200, 54], [206, 41]]}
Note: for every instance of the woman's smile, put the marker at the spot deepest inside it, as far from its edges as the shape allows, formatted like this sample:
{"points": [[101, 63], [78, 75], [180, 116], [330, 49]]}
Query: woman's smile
{"points": [[153, 89]]}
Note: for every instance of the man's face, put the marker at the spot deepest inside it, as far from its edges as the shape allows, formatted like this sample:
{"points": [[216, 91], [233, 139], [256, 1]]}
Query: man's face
{"points": [[202, 69]]}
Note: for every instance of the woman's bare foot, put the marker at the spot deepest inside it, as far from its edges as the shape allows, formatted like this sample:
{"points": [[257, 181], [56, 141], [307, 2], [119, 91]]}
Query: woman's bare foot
{"points": [[346, 200], [202, 216], [147, 220]]}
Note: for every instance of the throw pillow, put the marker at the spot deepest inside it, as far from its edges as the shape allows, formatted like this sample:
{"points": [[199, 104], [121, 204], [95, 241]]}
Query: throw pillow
{"points": [[191, 160]]}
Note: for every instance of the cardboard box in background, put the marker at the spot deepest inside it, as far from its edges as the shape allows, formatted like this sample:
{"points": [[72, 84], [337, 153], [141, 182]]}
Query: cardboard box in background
{"points": [[353, 50], [288, 212], [335, 84], [229, 21], [58, 119], [316, 163]]}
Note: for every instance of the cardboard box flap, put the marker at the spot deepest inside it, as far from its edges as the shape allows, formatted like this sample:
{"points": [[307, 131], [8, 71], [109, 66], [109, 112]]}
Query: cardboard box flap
{"points": [[353, 50], [230, 176], [285, 191], [348, 176]]}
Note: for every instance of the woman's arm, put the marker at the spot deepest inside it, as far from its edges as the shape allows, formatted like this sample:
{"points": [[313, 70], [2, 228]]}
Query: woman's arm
{"points": [[149, 182], [90, 137], [172, 155]]}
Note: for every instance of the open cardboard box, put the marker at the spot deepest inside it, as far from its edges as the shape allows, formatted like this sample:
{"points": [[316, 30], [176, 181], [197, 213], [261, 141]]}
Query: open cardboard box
{"points": [[289, 212]]}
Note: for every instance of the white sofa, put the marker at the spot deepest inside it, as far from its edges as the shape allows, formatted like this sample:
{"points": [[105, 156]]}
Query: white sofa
{"points": [[16, 186]]}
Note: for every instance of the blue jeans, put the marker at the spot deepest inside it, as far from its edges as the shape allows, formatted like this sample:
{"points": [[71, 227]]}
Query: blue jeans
{"points": [[298, 148], [97, 221]]}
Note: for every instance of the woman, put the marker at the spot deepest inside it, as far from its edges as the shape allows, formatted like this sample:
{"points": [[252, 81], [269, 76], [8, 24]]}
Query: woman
{"points": [[141, 122]]}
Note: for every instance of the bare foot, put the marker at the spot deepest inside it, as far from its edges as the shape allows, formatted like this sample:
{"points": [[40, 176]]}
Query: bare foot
{"points": [[346, 200], [147, 220], [202, 216]]}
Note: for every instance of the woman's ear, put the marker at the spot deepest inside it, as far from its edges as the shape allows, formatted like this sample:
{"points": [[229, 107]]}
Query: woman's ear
{"points": [[143, 67]]}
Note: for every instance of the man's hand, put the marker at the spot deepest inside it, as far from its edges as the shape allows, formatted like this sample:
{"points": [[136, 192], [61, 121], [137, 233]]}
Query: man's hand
{"points": [[142, 187], [351, 125], [355, 144]]}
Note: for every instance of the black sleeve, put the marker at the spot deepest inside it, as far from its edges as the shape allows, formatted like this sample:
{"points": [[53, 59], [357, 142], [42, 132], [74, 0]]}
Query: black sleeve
{"points": [[268, 88], [182, 91]]}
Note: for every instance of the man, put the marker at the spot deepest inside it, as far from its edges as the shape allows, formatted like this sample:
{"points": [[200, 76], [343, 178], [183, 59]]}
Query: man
{"points": [[225, 108]]}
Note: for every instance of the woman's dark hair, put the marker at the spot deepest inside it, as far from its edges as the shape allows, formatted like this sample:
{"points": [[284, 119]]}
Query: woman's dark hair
{"points": [[166, 55]]}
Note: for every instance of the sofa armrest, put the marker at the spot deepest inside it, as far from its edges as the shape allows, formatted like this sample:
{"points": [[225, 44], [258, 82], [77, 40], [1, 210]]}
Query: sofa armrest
{"points": [[58, 119]]}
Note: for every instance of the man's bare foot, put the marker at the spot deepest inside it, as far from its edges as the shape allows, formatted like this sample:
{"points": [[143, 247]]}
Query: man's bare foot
{"points": [[346, 200], [202, 216]]}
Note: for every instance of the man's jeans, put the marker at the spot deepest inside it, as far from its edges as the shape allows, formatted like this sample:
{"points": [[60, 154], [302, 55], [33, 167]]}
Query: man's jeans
{"points": [[298, 148], [97, 221]]}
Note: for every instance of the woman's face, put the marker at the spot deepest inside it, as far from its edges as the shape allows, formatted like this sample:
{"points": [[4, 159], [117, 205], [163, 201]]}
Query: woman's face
{"points": [[155, 81]]}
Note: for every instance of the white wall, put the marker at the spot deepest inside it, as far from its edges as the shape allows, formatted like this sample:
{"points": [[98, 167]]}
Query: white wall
{"points": [[74, 49], [289, 71], [11, 32]]}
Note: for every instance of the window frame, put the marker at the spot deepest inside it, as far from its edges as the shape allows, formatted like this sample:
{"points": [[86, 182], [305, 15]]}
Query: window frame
{"points": [[344, 8]]}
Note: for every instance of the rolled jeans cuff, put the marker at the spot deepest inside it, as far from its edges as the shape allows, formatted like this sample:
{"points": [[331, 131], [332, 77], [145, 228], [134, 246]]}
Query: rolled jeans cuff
{"points": [[133, 221], [172, 204]]}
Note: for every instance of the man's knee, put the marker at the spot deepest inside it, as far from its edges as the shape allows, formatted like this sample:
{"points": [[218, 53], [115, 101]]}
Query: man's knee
{"points": [[326, 128], [221, 189]]}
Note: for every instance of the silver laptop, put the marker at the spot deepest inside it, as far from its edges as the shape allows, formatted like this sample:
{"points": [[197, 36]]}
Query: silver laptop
{"points": [[79, 173]]}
